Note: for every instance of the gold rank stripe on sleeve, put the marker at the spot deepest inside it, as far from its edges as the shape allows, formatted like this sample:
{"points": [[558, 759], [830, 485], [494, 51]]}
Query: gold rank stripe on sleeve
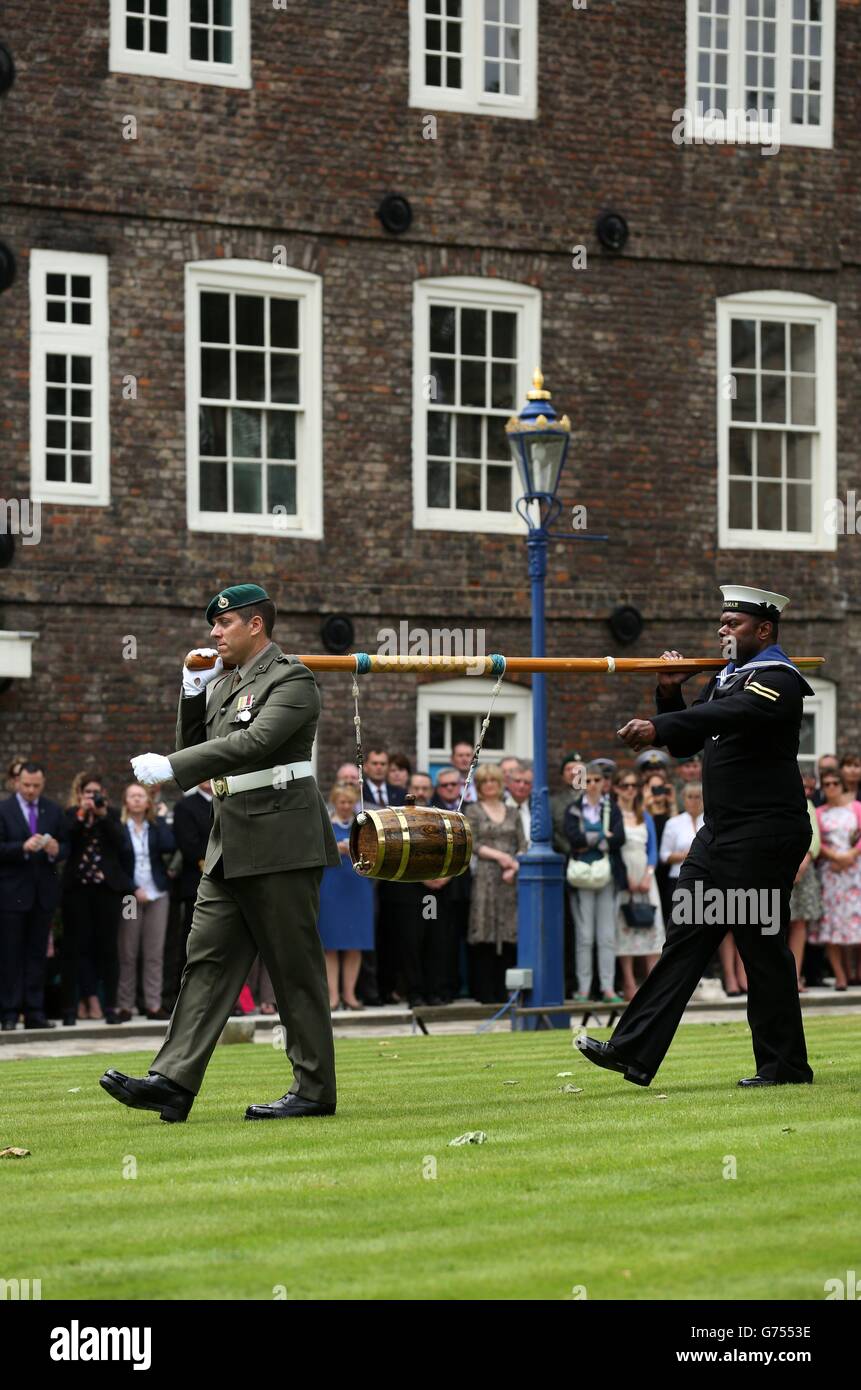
{"points": [[764, 690]]}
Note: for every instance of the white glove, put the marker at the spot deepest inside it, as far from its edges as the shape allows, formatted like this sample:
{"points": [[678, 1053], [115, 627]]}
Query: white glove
{"points": [[195, 681], [151, 768]]}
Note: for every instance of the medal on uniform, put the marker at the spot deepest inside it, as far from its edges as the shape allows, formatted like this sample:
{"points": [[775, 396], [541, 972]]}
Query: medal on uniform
{"points": [[243, 709]]}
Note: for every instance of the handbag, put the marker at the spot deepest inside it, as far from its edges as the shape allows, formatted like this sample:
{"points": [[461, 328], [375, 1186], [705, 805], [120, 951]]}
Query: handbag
{"points": [[594, 874], [639, 914]]}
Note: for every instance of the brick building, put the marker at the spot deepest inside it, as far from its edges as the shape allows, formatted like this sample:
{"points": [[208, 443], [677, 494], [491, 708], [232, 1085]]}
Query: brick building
{"points": [[219, 365]]}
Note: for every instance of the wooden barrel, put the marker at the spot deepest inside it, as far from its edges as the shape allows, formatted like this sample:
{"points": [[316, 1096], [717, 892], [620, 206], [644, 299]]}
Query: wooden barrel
{"points": [[408, 844]]}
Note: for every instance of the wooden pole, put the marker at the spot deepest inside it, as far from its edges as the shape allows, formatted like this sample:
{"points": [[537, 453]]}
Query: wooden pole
{"points": [[484, 665]]}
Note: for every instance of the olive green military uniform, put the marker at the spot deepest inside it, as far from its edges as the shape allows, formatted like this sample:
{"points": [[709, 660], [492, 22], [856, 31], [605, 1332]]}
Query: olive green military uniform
{"points": [[260, 890]]}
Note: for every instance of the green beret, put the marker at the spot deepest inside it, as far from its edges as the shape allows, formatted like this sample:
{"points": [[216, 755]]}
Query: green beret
{"points": [[237, 596]]}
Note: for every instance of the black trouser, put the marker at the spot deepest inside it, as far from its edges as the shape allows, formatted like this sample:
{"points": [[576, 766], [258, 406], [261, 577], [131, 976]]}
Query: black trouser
{"points": [[422, 943], [23, 949], [175, 945], [393, 905], [648, 1024], [489, 967], [454, 923], [91, 926]]}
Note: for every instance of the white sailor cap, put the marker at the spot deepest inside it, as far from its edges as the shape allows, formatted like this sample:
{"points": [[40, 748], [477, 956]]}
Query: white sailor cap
{"points": [[760, 602]]}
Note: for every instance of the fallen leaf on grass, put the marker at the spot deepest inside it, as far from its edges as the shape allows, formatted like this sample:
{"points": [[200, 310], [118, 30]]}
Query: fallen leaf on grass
{"points": [[488, 1065], [390, 1056], [472, 1136], [72, 1090], [662, 1095], [565, 1073], [787, 1129], [511, 1083], [571, 1090], [14, 1153]]}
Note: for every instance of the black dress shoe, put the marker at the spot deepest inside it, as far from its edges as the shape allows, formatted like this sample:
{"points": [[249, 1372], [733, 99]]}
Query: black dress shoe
{"points": [[151, 1092], [287, 1108], [603, 1054], [39, 1023], [70, 1020], [767, 1081]]}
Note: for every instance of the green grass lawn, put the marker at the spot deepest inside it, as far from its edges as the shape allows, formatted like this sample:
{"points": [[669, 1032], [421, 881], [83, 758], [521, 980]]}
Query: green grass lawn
{"points": [[614, 1188]]}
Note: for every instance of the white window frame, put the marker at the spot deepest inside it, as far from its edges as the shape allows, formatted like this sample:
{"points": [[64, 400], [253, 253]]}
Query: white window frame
{"points": [[260, 277], [90, 340], [480, 292], [469, 695], [765, 132], [472, 99], [16, 654], [822, 704], [177, 64], [782, 306]]}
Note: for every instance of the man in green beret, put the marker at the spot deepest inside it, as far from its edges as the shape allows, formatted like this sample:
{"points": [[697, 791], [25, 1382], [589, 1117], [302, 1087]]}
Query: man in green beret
{"points": [[247, 725]]}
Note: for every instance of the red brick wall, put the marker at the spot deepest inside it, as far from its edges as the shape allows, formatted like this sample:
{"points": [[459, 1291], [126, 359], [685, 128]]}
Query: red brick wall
{"points": [[302, 160]]}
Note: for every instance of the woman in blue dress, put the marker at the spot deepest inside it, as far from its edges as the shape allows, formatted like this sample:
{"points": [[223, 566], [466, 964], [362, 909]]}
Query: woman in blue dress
{"points": [[346, 919]]}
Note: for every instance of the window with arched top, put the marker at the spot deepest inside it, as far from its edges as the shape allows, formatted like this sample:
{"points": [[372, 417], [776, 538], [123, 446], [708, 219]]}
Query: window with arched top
{"points": [[476, 344]]}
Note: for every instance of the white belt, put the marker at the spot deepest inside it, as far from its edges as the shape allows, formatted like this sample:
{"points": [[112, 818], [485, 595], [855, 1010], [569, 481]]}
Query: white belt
{"points": [[270, 777]]}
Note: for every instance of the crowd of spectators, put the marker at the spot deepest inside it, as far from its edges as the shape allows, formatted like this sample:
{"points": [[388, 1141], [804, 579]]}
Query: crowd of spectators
{"points": [[96, 897]]}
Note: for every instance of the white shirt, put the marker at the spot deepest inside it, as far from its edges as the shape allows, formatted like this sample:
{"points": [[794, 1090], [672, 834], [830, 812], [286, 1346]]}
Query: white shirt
{"points": [[525, 815], [379, 793], [678, 836], [143, 863]]}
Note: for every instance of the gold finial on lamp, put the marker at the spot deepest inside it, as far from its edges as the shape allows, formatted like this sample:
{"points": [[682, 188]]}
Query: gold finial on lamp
{"points": [[538, 393]]}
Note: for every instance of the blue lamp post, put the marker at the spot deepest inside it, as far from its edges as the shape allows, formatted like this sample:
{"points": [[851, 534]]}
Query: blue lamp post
{"points": [[539, 441]]}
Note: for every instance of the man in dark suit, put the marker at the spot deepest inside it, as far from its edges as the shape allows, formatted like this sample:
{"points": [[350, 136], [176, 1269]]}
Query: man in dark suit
{"points": [[453, 899], [32, 843], [378, 790], [381, 968]]}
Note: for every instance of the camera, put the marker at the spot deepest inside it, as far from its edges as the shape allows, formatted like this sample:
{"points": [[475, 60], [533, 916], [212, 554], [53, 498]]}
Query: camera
{"points": [[660, 791], [99, 799]]}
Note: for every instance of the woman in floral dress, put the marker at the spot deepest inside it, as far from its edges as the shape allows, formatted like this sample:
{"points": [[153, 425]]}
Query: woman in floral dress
{"points": [[840, 858]]}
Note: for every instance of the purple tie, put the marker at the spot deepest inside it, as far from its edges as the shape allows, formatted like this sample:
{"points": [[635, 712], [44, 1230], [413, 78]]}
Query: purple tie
{"points": [[34, 819]]}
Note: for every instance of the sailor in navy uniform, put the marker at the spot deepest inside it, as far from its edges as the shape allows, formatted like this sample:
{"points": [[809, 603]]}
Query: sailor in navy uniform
{"points": [[756, 831]]}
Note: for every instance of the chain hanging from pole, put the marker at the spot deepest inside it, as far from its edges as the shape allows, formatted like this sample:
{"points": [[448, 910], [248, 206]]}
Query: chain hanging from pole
{"points": [[357, 723], [484, 727]]}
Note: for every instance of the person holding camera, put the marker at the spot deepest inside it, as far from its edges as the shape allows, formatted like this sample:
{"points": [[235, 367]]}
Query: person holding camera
{"points": [[32, 842], [97, 875]]}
